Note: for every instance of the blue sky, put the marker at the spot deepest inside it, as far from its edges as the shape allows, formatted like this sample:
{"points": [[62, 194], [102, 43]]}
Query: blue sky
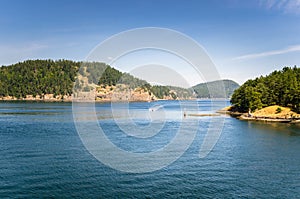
{"points": [[245, 39]]}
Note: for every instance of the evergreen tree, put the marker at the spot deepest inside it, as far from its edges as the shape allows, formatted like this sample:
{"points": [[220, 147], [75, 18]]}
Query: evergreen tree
{"points": [[280, 88]]}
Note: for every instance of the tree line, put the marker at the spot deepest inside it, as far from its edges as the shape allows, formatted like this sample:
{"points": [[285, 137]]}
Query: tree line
{"points": [[278, 88], [40, 77]]}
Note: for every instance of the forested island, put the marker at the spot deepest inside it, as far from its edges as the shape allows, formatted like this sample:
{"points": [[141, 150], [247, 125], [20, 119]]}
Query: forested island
{"points": [[214, 89], [50, 80], [274, 96]]}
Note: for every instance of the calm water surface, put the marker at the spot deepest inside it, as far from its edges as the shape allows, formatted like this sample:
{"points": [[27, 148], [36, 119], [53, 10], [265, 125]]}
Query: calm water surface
{"points": [[43, 156]]}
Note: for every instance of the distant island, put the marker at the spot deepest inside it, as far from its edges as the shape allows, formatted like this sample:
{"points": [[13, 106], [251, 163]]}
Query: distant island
{"points": [[49, 80], [275, 97], [214, 89]]}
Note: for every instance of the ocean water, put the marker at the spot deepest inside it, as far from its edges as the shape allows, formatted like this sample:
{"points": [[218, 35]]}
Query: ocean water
{"points": [[42, 154]]}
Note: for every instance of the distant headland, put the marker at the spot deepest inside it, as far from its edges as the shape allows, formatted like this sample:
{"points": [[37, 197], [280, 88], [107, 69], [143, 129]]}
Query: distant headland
{"points": [[271, 98], [54, 81]]}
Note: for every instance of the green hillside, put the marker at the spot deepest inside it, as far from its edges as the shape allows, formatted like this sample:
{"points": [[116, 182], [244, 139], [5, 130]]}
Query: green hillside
{"points": [[41, 77], [278, 88], [214, 89], [103, 74], [38, 77]]}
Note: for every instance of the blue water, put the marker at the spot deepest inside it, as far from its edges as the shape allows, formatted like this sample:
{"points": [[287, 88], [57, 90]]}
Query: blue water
{"points": [[43, 156]]}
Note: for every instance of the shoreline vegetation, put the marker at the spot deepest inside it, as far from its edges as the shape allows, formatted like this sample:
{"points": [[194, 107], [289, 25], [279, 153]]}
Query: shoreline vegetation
{"points": [[60, 80], [280, 88], [271, 98], [273, 113]]}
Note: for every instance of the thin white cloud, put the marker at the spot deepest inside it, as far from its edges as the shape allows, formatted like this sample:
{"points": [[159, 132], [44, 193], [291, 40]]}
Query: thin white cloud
{"points": [[281, 4], [286, 6], [293, 6], [268, 3], [269, 53]]}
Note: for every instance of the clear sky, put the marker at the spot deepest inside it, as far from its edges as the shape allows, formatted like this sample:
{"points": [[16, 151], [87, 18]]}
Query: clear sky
{"points": [[245, 39]]}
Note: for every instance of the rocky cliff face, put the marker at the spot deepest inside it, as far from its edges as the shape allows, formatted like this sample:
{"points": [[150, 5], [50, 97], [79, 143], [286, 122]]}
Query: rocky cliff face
{"points": [[122, 92]]}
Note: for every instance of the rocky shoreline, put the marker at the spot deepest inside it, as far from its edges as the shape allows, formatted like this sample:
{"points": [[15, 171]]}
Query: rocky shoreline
{"points": [[268, 119], [105, 94], [38, 98], [67, 100]]}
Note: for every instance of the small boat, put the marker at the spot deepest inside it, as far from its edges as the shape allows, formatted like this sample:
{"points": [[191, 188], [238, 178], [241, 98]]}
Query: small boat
{"points": [[155, 108]]}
